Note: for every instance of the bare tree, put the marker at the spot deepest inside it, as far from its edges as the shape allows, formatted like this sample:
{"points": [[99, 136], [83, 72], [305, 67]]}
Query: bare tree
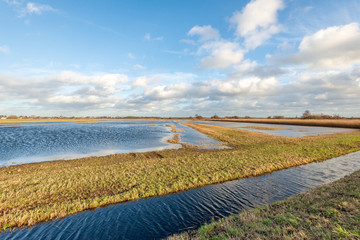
{"points": [[306, 114]]}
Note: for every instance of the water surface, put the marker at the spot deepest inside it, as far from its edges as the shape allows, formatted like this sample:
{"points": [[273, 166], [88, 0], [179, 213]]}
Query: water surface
{"points": [[35, 142], [280, 129], [159, 217]]}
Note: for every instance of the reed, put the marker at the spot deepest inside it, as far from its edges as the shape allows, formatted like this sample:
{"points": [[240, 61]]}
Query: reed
{"points": [[341, 123], [264, 128], [37, 192], [175, 139]]}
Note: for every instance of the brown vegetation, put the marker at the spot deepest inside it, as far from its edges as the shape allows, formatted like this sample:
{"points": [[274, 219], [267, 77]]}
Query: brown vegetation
{"points": [[37, 192], [341, 123]]}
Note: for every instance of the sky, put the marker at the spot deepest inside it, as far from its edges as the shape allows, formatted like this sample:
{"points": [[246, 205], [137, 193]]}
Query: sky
{"points": [[168, 58]]}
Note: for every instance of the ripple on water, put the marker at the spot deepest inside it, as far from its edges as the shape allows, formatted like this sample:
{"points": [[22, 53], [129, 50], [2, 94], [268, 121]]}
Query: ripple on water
{"points": [[25, 143], [158, 217]]}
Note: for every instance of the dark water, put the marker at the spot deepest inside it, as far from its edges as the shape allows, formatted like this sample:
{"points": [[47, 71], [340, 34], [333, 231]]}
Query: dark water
{"points": [[159, 217], [284, 131], [35, 142]]}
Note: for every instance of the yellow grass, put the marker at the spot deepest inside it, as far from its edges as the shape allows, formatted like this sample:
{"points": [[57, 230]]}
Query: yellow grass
{"points": [[264, 128], [37, 192], [342, 123]]}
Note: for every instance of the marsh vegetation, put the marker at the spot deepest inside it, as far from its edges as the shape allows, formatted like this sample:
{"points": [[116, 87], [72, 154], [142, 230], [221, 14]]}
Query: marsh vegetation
{"points": [[43, 191], [340, 123]]}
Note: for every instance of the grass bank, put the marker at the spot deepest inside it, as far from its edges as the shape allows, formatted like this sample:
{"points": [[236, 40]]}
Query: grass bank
{"points": [[341, 123], [331, 211], [43, 191]]}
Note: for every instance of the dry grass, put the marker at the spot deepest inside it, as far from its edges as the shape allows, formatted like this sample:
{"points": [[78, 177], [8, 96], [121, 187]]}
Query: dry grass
{"points": [[342, 123], [331, 211], [175, 139], [264, 128], [38, 192], [174, 129]]}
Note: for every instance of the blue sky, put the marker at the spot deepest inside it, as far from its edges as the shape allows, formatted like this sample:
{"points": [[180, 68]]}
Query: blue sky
{"points": [[179, 58]]}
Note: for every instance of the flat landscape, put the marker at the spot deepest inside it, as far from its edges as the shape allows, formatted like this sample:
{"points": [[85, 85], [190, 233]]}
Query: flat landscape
{"points": [[341, 123], [204, 119], [38, 192], [328, 212]]}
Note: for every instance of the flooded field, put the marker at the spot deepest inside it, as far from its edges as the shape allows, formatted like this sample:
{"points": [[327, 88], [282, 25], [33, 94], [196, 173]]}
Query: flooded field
{"points": [[281, 129], [35, 142]]}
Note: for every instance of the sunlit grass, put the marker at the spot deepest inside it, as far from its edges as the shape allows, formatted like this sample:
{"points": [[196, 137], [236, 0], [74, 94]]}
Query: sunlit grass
{"points": [[331, 211], [175, 139], [43, 191], [174, 129], [342, 123], [264, 128]]}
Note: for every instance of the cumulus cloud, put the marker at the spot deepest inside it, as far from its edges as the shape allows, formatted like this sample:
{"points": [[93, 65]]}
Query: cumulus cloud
{"points": [[167, 91], [141, 82], [67, 90], [163, 78], [248, 86], [257, 22], [331, 48], [177, 94], [204, 32], [106, 80], [223, 54]]}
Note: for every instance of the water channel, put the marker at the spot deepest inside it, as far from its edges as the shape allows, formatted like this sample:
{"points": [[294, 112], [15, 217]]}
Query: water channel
{"points": [[159, 217]]}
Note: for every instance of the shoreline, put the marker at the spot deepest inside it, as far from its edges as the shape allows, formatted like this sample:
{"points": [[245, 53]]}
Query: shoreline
{"points": [[335, 123], [67, 187], [329, 211]]}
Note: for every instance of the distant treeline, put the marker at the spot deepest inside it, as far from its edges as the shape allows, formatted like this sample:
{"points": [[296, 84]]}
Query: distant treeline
{"points": [[305, 115]]}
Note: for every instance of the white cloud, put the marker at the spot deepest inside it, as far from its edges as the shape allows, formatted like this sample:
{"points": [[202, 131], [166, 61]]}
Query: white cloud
{"points": [[177, 94], [4, 49], [131, 56], [33, 8], [167, 91], [148, 37], [69, 99], [107, 79], [163, 79], [331, 48], [223, 54], [141, 82], [247, 86], [205, 32], [257, 22]]}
